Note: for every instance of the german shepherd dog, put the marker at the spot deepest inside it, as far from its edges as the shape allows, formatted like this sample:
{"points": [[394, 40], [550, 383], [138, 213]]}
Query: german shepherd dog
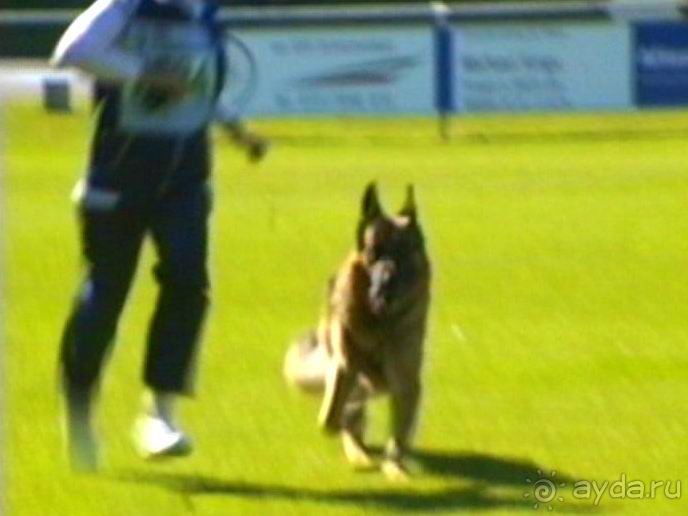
{"points": [[370, 336]]}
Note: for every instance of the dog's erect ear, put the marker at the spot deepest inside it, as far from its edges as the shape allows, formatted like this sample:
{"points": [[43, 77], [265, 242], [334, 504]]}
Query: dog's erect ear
{"points": [[409, 207], [370, 207], [370, 210]]}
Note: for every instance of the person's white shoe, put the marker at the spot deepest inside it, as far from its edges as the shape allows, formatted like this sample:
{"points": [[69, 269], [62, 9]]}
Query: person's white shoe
{"points": [[154, 437]]}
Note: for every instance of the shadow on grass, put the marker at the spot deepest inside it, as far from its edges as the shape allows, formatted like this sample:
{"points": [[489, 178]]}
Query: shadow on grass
{"points": [[481, 472], [485, 468]]}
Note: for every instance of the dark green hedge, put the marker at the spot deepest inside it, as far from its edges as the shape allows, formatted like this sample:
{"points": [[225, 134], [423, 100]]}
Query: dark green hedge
{"points": [[39, 41], [54, 4]]}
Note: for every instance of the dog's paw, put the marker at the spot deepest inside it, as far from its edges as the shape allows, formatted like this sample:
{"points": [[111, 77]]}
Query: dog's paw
{"points": [[356, 453], [395, 471]]}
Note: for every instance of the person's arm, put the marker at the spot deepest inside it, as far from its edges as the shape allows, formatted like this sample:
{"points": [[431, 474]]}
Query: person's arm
{"points": [[89, 43]]}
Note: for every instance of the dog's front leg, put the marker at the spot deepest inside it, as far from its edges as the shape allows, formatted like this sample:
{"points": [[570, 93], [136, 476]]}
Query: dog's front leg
{"points": [[404, 409], [340, 380], [403, 375], [353, 429]]}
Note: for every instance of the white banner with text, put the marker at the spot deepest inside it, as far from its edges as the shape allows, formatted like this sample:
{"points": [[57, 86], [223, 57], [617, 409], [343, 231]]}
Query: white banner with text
{"points": [[541, 67], [349, 70]]}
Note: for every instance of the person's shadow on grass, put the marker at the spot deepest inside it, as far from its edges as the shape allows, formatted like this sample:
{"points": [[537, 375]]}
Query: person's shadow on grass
{"points": [[477, 472]]}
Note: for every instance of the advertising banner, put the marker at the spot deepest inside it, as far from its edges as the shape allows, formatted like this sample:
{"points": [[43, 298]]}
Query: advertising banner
{"points": [[661, 64], [368, 70], [541, 67]]}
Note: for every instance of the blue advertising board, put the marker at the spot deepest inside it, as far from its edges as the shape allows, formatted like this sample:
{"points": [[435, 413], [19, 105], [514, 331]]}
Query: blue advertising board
{"points": [[661, 64]]}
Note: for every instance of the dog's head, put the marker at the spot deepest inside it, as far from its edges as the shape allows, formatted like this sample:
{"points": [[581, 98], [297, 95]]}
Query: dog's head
{"points": [[392, 251]]}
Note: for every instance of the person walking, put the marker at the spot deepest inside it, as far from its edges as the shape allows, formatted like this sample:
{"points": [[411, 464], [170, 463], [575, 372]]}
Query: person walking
{"points": [[159, 67]]}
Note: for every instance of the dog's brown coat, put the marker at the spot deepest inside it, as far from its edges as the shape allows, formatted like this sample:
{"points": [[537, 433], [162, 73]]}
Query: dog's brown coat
{"points": [[370, 337]]}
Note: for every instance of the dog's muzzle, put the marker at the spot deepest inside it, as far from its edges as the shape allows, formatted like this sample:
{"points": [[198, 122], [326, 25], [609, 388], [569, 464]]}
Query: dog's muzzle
{"points": [[381, 277]]}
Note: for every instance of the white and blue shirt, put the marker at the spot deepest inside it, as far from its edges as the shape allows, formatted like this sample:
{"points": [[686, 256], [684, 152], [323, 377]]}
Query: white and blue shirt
{"points": [[116, 40]]}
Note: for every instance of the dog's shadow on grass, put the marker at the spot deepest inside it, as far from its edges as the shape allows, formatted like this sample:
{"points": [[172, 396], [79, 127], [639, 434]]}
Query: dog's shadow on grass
{"points": [[485, 468], [477, 472]]}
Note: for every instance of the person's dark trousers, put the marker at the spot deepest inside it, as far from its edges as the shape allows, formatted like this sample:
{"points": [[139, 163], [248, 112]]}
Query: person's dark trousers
{"points": [[138, 195]]}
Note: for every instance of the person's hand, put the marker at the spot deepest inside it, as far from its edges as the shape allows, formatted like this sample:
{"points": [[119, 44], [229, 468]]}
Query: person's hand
{"points": [[256, 146]]}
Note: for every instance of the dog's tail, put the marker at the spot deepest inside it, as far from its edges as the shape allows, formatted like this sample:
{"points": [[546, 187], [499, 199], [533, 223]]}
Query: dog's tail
{"points": [[305, 364]]}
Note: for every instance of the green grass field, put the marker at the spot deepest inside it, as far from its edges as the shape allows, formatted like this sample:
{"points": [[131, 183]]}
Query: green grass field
{"points": [[558, 342]]}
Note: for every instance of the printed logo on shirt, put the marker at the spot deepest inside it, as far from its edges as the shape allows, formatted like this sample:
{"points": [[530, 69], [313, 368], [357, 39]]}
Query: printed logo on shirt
{"points": [[185, 50]]}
